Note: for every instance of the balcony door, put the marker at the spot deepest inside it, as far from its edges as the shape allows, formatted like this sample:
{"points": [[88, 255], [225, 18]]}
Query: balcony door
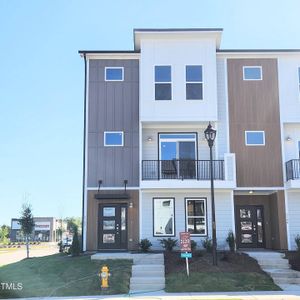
{"points": [[178, 155]]}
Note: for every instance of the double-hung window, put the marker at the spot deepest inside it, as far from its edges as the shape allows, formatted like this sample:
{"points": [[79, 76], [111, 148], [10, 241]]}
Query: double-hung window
{"points": [[163, 83], [163, 217], [252, 73], [196, 219], [194, 82]]}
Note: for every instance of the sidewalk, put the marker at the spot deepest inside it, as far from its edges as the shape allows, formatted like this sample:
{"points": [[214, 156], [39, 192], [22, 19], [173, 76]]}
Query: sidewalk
{"points": [[262, 295]]}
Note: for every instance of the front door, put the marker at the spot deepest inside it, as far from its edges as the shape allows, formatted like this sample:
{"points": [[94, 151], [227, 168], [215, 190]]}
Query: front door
{"points": [[112, 219], [249, 226]]}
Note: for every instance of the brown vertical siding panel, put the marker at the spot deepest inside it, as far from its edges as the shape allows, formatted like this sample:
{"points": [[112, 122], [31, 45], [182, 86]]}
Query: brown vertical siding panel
{"points": [[254, 105]]}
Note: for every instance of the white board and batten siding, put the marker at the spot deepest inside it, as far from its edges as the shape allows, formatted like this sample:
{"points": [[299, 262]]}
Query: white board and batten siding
{"points": [[293, 219], [175, 53], [224, 213]]}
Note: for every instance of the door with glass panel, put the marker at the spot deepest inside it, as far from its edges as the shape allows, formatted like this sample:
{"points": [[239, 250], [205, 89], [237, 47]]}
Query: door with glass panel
{"points": [[112, 220], [178, 155], [250, 226]]}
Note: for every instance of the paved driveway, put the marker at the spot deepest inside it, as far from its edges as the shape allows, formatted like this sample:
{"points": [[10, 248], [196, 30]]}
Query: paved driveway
{"points": [[11, 255]]}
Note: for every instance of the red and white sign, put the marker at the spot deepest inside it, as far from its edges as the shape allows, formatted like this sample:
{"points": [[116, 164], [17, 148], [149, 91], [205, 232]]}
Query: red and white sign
{"points": [[41, 226], [185, 242]]}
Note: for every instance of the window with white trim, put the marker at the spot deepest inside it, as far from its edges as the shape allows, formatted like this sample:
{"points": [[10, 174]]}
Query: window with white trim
{"points": [[194, 82], [113, 138], [114, 73], [252, 73], [163, 217], [163, 83], [196, 219], [254, 138]]}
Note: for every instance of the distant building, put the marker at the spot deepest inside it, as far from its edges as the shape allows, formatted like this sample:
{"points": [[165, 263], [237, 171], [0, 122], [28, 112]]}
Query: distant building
{"points": [[44, 230]]}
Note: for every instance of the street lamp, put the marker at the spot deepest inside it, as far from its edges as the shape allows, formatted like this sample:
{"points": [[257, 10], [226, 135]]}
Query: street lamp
{"points": [[210, 135]]}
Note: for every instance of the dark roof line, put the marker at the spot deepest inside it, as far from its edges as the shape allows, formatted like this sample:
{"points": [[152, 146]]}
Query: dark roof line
{"points": [[257, 50], [107, 51], [175, 29]]}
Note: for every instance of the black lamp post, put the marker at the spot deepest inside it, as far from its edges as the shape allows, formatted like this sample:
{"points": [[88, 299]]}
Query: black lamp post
{"points": [[210, 135]]}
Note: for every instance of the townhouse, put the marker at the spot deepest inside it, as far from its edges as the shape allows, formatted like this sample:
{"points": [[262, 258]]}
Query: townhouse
{"points": [[146, 161]]}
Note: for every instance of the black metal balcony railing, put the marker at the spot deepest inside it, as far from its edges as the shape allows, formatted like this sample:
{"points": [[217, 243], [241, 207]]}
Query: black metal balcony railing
{"points": [[292, 169], [181, 169]]}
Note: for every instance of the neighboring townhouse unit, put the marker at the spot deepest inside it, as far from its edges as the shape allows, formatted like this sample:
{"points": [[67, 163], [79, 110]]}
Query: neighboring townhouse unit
{"points": [[146, 161]]}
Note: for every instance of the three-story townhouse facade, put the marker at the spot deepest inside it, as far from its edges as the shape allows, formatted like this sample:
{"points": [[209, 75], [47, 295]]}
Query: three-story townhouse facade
{"points": [[146, 161]]}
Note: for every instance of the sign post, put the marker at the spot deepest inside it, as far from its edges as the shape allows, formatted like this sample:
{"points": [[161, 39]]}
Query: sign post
{"points": [[185, 248]]}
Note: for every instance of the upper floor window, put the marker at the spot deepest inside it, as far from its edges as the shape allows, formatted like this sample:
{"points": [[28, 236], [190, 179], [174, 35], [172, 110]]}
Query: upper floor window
{"points": [[252, 73], [114, 74], [299, 78], [113, 138], [163, 83], [255, 138], [194, 82]]}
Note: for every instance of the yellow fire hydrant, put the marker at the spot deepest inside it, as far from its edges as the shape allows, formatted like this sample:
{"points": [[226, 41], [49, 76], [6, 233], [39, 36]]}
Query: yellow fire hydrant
{"points": [[104, 274]]}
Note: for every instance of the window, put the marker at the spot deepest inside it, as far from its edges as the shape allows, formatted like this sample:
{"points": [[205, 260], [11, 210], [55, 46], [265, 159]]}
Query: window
{"points": [[195, 210], [163, 85], [194, 82], [114, 74], [178, 155], [252, 73], [163, 217], [299, 79], [299, 149], [255, 138], [113, 138]]}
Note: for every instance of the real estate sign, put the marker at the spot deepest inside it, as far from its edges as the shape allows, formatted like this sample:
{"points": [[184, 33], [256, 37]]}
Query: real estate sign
{"points": [[185, 242]]}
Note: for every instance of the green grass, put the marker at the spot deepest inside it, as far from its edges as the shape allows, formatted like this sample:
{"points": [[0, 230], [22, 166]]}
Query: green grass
{"points": [[60, 275], [219, 282]]}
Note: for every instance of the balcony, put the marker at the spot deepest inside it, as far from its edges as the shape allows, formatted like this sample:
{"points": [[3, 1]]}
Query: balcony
{"points": [[292, 169], [184, 173], [181, 169]]}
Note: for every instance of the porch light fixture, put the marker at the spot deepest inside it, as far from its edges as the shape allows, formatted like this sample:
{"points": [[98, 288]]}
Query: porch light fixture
{"points": [[99, 184], [210, 135], [288, 138], [130, 205], [125, 184], [149, 139], [250, 192]]}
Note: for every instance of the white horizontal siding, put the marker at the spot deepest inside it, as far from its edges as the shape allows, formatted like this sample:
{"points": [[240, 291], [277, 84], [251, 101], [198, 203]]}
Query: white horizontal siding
{"points": [[224, 211], [293, 216]]}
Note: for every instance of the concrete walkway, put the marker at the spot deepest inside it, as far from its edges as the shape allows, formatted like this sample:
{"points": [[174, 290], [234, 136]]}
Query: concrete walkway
{"points": [[278, 268]]}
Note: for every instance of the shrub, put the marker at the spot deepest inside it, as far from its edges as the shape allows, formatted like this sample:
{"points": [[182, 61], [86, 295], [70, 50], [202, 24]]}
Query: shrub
{"points": [[168, 244], [193, 245], [231, 241], [207, 244], [297, 241], [145, 245], [75, 248]]}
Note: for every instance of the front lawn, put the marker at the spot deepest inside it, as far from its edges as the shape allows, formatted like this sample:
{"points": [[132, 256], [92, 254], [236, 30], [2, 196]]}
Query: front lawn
{"points": [[235, 272], [61, 275]]}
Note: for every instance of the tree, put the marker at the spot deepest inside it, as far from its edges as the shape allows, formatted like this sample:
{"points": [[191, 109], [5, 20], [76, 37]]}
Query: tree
{"points": [[27, 224], [73, 223], [4, 233], [75, 248]]}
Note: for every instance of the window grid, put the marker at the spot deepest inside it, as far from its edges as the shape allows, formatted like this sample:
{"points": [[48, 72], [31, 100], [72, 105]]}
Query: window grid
{"points": [[195, 82], [159, 83]]}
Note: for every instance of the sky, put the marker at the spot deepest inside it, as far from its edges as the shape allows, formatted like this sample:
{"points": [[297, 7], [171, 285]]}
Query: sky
{"points": [[41, 79]]}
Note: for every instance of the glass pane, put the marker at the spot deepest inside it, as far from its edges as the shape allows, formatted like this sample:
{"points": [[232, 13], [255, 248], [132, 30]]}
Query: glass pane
{"points": [[246, 225], [163, 91], [114, 138], [123, 218], [259, 232], [163, 216], [195, 208], [187, 150], [108, 238], [299, 75], [246, 238], [162, 73], [252, 73], [258, 214], [255, 138], [196, 225], [193, 73], [109, 211], [168, 150], [114, 74], [177, 136], [245, 213], [108, 225], [194, 91]]}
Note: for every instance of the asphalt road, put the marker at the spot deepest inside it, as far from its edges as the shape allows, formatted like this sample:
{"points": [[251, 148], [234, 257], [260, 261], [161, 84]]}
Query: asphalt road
{"points": [[12, 255]]}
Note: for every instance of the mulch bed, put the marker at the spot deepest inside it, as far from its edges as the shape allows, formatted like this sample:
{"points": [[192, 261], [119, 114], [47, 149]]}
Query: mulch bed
{"points": [[202, 262], [294, 259]]}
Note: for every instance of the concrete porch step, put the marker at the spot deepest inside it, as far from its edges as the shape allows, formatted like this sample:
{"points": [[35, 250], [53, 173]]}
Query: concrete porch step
{"points": [[141, 287], [284, 280], [154, 267], [147, 273], [284, 274], [147, 280]]}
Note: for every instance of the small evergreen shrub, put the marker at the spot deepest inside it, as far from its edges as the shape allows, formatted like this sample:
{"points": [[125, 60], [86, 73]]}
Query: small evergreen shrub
{"points": [[193, 245], [207, 244], [168, 244], [231, 241], [297, 241], [145, 245], [75, 248]]}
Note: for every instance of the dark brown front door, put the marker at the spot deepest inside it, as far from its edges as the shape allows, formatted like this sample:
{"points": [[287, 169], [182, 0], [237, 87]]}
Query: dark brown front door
{"points": [[112, 220], [250, 226]]}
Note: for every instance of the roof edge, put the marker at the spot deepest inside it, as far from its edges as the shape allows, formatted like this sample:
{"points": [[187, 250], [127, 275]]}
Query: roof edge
{"points": [[175, 29], [107, 51], [255, 50]]}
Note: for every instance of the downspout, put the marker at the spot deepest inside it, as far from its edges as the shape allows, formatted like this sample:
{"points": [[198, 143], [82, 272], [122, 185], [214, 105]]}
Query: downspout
{"points": [[84, 154]]}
